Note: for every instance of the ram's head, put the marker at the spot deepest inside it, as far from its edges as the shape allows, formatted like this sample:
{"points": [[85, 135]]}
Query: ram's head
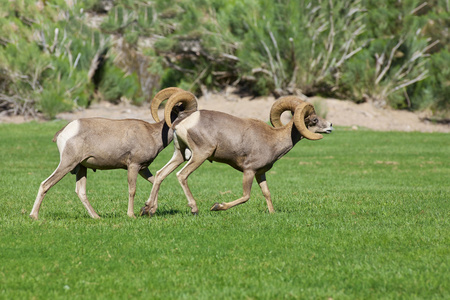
{"points": [[317, 124], [305, 119]]}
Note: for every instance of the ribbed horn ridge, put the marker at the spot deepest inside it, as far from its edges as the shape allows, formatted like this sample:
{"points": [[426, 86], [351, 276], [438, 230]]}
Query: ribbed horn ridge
{"points": [[188, 100], [301, 112], [282, 105], [159, 98]]}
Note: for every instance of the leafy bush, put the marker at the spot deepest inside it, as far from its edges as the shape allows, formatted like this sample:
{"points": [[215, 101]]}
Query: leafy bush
{"points": [[390, 53], [117, 85], [49, 59], [433, 92]]}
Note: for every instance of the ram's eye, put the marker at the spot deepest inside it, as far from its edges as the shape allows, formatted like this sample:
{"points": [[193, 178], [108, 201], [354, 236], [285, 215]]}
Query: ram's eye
{"points": [[315, 120]]}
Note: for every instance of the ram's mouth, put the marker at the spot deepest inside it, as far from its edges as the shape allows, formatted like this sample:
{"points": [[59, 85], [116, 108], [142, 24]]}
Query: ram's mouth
{"points": [[327, 130]]}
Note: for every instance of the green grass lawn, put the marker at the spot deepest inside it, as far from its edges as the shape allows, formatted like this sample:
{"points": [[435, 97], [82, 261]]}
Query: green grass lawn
{"points": [[359, 215]]}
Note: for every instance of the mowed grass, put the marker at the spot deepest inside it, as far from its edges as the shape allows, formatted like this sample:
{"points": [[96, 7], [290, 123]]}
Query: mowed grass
{"points": [[359, 215]]}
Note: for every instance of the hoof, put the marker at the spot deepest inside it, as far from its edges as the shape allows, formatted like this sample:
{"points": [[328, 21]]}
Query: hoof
{"points": [[144, 211], [216, 207], [195, 213]]}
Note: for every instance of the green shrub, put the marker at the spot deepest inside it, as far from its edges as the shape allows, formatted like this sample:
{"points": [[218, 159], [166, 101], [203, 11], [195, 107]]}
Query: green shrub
{"points": [[433, 92], [117, 84], [391, 53], [49, 56], [52, 101]]}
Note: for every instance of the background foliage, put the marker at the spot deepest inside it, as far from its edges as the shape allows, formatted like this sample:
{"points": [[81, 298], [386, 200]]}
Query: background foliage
{"points": [[56, 55]]}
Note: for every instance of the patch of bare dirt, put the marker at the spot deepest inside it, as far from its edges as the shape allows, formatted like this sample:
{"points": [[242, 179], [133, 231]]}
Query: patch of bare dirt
{"points": [[348, 113], [339, 112]]}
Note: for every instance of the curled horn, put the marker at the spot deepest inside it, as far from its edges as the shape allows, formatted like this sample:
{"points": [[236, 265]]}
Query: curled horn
{"points": [[302, 111], [280, 106], [187, 99], [159, 98]]}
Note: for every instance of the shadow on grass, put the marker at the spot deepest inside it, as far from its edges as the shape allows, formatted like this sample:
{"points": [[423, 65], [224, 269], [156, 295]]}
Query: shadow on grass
{"points": [[64, 215], [159, 212], [167, 212]]}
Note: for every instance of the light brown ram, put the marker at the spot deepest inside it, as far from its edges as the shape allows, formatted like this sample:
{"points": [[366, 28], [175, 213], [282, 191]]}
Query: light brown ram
{"points": [[248, 145], [98, 143]]}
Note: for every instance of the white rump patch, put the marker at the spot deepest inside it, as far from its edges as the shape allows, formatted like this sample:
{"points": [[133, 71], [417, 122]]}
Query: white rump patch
{"points": [[187, 124], [187, 154], [69, 132]]}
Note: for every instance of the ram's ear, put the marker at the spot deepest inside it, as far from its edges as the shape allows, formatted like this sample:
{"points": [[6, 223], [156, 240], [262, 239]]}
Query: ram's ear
{"points": [[311, 120]]}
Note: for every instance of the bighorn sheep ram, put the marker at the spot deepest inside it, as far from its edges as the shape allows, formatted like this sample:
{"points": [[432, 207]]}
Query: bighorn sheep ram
{"points": [[98, 143], [248, 145]]}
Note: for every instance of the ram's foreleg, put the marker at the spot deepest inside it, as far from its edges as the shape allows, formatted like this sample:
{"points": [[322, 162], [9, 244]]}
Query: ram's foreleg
{"points": [[261, 179], [133, 171], [80, 189], [152, 203], [247, 187]]}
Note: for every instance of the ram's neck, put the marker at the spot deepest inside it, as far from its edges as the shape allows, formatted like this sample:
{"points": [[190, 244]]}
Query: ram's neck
{"points": [[162, 133], [285, 139]]}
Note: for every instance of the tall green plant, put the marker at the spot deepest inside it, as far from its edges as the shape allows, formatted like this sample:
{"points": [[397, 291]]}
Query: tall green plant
{"points": [[365, 50], [302, 44], [117, 85], [433, 92], [49, 57], [397, 52]]}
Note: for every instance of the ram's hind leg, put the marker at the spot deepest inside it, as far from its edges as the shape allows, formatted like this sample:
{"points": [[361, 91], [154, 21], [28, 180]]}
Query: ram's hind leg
{"points": [[62, 169], [80, 189], [247, 187]]}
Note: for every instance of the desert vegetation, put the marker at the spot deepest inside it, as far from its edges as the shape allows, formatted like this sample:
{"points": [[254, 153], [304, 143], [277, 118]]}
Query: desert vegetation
{"points": [[59, 55]]}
